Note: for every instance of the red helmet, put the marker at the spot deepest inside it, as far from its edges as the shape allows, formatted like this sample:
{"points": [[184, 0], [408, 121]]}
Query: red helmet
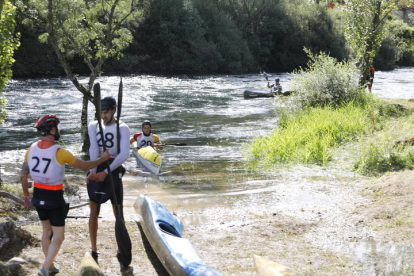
{"points": [[46, 121]]}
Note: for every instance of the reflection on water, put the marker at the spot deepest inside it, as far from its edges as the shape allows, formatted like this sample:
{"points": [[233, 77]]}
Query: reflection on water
{"points": [[381, 259], [212, 117]]}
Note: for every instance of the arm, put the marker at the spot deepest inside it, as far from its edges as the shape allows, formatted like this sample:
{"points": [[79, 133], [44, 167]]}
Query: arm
{"points": [[87, 165], [24, 176], [124, 147], [63, 157], [94, 147], [157, 142]]}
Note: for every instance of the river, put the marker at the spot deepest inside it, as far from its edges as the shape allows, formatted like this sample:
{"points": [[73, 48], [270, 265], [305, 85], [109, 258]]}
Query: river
{"points": [[208, 113]]}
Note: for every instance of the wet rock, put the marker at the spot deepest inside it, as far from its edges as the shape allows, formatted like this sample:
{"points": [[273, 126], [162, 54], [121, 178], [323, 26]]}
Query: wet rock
{"points": [[11, 269], [17, 260], [12, 238]]}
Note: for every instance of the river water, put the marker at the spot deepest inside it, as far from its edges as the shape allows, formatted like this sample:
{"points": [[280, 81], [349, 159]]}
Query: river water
{"points": [[208, 113]]}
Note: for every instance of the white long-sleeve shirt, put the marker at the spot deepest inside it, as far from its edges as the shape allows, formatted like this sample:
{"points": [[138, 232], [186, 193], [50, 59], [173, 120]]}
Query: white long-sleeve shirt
{"points": [[111, 139]]}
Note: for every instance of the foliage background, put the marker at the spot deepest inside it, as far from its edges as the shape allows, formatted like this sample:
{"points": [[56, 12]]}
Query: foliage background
{"points": [[234, 36]]}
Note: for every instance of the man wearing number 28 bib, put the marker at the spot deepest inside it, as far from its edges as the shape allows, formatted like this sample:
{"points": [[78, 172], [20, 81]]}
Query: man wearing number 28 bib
{"points": [[99, 185]]}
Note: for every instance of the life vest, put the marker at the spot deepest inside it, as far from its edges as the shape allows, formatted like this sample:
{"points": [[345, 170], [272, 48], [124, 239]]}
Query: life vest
{"points": [[45, 171], [145, 141], [111, 138]]}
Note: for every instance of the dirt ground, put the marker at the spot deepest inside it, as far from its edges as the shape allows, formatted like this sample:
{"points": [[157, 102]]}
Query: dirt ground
{"points": [[312, 241]]}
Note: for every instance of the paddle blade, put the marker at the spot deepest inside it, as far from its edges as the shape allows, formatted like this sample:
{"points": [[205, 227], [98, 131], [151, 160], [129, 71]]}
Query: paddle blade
{"points": [[97, 99], [119, 99], [124, 243]]}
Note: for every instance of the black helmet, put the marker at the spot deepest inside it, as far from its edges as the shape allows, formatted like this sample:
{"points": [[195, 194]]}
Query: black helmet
{"points": [[146, 122], [46, 122], [108, 103]]}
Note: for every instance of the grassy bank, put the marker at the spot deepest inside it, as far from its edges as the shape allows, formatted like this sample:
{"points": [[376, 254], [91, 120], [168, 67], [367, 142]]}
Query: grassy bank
{"points": [[311, 136]]}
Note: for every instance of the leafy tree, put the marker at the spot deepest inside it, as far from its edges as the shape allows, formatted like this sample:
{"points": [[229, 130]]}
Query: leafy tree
{"points": [[8, 44], [91, 30], [393, 46], [366, 29]]}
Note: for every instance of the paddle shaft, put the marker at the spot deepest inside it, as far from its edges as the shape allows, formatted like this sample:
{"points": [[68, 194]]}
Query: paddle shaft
{"points": [[162, 145], [118, 116], [122, 237], [97, 95]]}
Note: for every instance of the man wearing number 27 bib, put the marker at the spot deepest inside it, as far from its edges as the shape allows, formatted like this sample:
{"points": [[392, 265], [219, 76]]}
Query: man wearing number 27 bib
{"points": [[45, 163]]}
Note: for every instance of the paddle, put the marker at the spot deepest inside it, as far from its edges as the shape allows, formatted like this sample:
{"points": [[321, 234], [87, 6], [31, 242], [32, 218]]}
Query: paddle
{"points": [[122, 237], [118, 115], [265, 75], [162, 145], [178, 144]]}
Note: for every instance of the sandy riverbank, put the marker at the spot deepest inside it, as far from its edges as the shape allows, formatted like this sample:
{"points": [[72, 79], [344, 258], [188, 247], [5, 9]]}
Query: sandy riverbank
{"points": [[320, 238]]}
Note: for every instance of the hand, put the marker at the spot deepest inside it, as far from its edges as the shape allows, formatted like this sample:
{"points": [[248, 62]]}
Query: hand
{"points": [[27, 203], [101, 176], [97, 177], [158, 146], [106, 155]]}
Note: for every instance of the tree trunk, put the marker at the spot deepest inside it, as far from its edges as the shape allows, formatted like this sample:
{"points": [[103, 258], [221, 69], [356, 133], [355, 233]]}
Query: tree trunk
{"points": [[84, 124], [367, 59]]}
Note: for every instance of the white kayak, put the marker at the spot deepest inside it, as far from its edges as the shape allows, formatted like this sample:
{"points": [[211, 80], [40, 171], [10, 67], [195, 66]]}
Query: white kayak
{"points": [[147, 158], [163, 231]]}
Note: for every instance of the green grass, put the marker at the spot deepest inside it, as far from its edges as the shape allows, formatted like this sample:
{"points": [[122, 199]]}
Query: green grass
{"points": [[309, 136], [379, 153]]}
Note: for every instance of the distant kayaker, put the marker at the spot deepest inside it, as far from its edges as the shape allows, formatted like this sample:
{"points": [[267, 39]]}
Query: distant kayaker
{"points": [[275, 88], [45, 163], [146, 137], [370, 77], [99, 185]]}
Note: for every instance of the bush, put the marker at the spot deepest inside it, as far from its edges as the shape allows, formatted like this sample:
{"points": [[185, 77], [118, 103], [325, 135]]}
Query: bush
{"points": [[327, 82]]}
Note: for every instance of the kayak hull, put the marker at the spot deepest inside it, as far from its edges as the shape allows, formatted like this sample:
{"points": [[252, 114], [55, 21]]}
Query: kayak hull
{"points": [[89, 267], [266, 267], [148, 159], [248, 94], [163, 231]]}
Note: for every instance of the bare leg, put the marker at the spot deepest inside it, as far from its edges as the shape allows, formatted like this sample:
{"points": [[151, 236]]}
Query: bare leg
{"points": [[53, 245], [93, 224], [46, 236]]}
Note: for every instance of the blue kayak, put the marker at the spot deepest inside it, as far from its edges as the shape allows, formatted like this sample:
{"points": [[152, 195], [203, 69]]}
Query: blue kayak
{"points": [[164, 233]]}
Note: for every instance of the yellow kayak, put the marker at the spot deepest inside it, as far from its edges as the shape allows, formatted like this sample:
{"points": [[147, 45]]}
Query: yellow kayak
{"points": [[147, 158], [266, 267]]}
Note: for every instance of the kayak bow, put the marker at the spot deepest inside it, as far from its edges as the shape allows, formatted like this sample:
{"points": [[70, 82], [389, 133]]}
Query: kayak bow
{"points": [[164, 233]]}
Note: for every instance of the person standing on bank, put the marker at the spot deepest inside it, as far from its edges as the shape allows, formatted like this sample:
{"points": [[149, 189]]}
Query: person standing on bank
{"points": [[275, 88], [99, 185], [370, 77], [45, 163], [146, 137]]}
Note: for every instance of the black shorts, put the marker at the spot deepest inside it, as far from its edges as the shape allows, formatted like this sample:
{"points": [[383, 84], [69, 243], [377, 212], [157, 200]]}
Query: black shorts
{"points": [[56, 216], [101, 192]]}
